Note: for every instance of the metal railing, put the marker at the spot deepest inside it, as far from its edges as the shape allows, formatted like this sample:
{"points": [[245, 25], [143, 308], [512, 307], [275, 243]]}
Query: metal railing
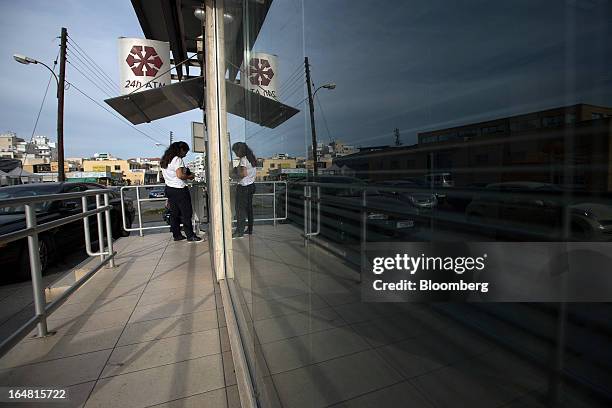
{"points": [[198, 203], [272, 194], [139, 201], [32, 231], [308, 199]]}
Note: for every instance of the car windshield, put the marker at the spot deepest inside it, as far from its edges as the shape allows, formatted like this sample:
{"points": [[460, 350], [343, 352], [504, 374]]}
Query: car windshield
{"points": [[17, 193]]}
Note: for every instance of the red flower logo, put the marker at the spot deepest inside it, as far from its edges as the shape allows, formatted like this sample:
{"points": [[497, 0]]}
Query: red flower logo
{"points": [[260, 72], [144, 62]]}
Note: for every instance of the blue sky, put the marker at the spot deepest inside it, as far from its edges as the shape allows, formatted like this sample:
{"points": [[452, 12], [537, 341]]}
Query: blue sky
{"points": [[415, 65]]}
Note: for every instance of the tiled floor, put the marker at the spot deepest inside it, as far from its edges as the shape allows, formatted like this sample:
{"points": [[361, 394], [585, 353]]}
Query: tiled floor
{"points": [[318, 345], [149, 332]]}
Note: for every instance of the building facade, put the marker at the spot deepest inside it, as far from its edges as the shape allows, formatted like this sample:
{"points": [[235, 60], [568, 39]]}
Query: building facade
{"points": [[530, 147]]}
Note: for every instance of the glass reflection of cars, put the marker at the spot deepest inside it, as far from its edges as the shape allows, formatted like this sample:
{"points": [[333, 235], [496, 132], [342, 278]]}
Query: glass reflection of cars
{"points": [[411, 191], [537, 210]]}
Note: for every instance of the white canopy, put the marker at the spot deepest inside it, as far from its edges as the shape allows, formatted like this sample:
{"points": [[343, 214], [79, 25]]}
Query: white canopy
{"points": [[18, 172]]}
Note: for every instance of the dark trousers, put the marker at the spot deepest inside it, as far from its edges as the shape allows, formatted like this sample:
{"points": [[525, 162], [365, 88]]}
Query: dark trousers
{"points": [[179, 202], [244, 206]]}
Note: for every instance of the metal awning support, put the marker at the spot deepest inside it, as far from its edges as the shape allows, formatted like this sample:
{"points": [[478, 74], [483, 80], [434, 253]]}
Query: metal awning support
{"points": [[152, 104], [174, 21]]}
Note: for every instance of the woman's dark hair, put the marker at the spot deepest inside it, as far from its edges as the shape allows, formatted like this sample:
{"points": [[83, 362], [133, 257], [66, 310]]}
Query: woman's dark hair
{"points": [[171, 152], [242, 149]]}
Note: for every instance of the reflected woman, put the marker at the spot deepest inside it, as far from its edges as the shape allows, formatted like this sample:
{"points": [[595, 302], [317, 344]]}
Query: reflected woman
{"points": [[175, 174], [246, 188]]}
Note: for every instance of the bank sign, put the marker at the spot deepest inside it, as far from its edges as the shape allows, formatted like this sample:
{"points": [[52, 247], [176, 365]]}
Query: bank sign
{"points": [[262, 75], [143, 64]]}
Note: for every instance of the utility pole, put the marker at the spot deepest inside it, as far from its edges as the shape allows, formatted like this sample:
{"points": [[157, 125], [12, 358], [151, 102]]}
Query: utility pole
{"points": [[312, 120], [61, 174], [396, 132], [171, 137]]}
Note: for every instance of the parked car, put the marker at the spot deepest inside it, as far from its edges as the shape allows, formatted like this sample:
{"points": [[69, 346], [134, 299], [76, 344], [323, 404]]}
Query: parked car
{"points": [[388, 213], [413, 191], [54, 242], [157, 193], [533, 210]]}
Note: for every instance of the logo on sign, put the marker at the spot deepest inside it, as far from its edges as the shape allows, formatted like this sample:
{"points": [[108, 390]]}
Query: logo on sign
{"points": [[144, 61], [260, 72]]}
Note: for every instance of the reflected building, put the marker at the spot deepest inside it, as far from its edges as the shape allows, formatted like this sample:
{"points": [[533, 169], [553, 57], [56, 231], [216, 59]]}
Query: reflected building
{"points": [[568, 146]]}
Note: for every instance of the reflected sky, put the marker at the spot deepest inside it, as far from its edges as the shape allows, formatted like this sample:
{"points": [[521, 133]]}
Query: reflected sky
{"points": [[420, 65]]}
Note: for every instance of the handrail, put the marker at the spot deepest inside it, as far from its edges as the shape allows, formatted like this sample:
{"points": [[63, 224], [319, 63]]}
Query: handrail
{"points": [[31, 231], [12, 202], [308, 210], [17, 235]]}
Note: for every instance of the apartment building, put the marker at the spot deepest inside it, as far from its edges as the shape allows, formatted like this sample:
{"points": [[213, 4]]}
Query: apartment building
{"points": [[132, 172]]}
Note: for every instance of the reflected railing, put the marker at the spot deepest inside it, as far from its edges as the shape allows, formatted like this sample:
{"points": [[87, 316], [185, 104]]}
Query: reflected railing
{"points": [[152, 218]]}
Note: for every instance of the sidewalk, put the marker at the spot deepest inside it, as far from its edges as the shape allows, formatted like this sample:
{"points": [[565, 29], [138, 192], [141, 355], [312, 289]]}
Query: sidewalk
{"points": [[150, 331]]}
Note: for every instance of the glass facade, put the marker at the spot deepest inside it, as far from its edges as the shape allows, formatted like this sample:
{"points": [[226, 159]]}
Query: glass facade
{"points": [[435, 130]]}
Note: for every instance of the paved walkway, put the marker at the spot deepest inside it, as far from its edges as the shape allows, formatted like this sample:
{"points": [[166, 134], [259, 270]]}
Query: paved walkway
{"points": [[150, 332]]}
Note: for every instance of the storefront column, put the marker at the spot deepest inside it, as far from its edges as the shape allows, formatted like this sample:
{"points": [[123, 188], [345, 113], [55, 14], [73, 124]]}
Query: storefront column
{"points": [[220, 213]]}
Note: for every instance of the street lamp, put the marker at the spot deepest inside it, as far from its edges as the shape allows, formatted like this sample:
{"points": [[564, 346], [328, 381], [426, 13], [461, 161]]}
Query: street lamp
{"points": [[330, 86], [22, 59]]}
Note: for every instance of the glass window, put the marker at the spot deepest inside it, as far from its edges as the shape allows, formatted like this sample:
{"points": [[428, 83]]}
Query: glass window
{"points": [[552, 121]]}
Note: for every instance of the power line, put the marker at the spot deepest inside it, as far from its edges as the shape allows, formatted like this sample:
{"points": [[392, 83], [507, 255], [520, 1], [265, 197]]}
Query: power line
{"points": [[324, 118], [93, 70], [293, 73], [291, 87], [71, 40], [115, 115], [287, 97], [290, 81], [42, 104], [291, 90], [89, 79], [290, 77]]}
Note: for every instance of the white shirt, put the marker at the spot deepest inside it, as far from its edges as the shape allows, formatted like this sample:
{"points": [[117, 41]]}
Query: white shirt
{"points": [[169, 173], [251, 171]]}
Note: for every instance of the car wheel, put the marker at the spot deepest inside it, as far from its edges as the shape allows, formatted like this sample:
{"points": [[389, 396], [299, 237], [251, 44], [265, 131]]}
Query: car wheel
{"points": [[118, 230], [45, 253], [123, 232]]}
